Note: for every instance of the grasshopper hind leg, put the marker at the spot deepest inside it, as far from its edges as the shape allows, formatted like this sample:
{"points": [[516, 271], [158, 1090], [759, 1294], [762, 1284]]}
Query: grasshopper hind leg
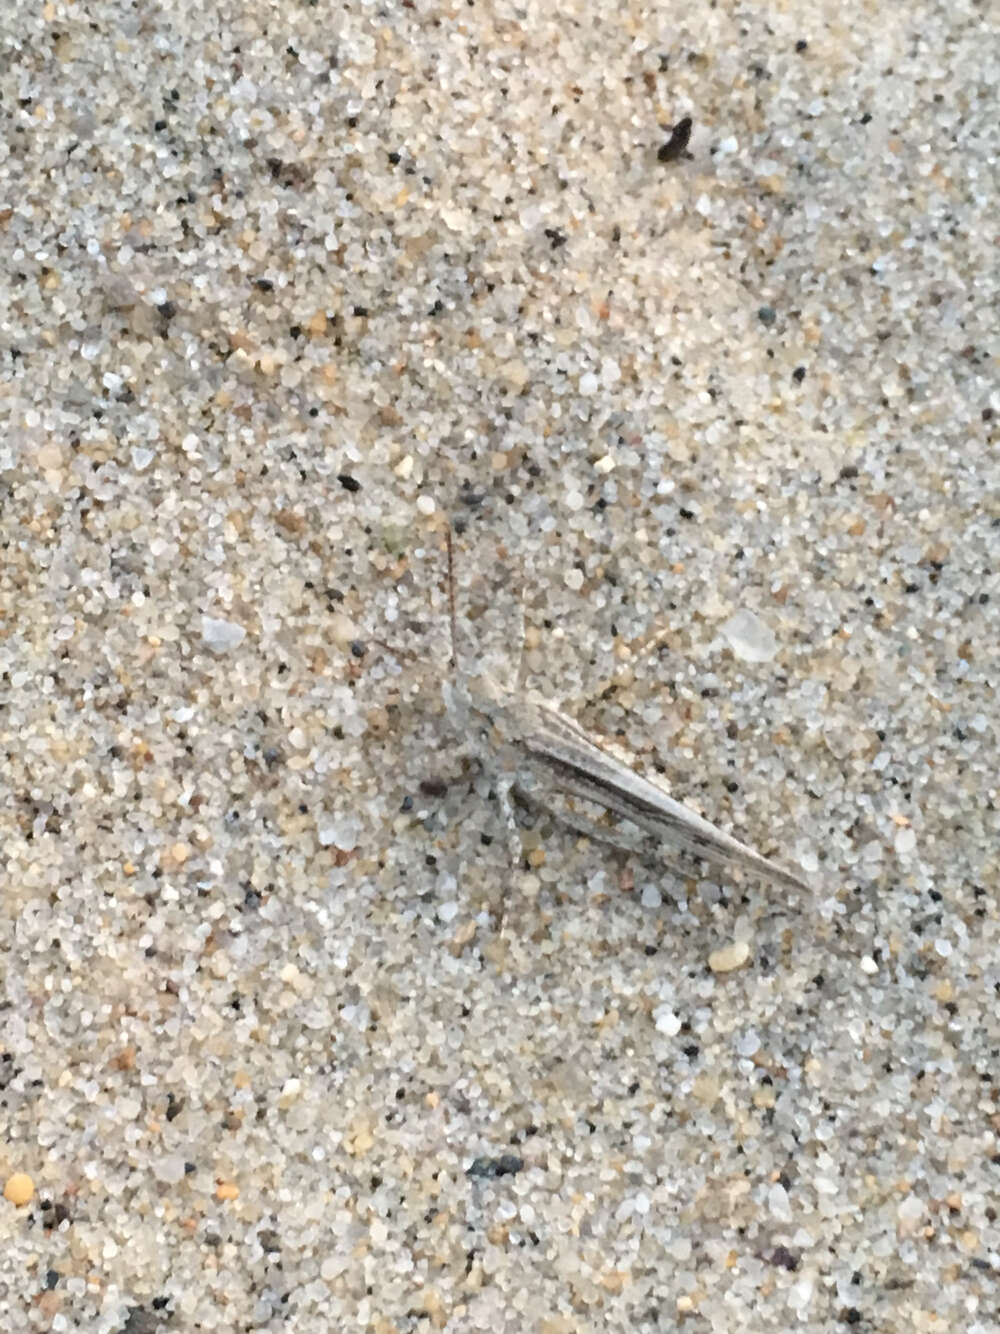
{"points": [[638, 846], [515, 847]]}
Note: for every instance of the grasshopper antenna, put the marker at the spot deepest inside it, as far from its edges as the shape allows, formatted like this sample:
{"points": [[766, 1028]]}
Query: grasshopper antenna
{"points": [[453, 620]]}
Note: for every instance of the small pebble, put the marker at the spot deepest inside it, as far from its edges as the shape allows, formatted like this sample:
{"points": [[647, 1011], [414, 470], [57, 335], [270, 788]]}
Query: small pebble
{"points": [[905, 839], [169, 1169], [778, 1204], [50, 456], [800, 1294], [220, 636], [730, 957], [910, 1216], [749, 638], [19, 1189], [343, 833], [291, 1091], [611, 372], [748, 1043], [666, 1021], [680, 137], [342, 629]]}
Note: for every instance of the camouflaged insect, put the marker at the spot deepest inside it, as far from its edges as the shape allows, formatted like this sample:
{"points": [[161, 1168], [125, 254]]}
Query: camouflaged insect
{"points": [[548, 760]]}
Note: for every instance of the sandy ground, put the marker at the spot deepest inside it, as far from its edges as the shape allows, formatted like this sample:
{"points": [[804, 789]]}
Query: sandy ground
{"points": [[288, 1042]]}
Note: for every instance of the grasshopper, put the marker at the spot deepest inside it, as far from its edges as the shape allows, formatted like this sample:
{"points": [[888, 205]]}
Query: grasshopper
{"points": [[542, 756]]}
